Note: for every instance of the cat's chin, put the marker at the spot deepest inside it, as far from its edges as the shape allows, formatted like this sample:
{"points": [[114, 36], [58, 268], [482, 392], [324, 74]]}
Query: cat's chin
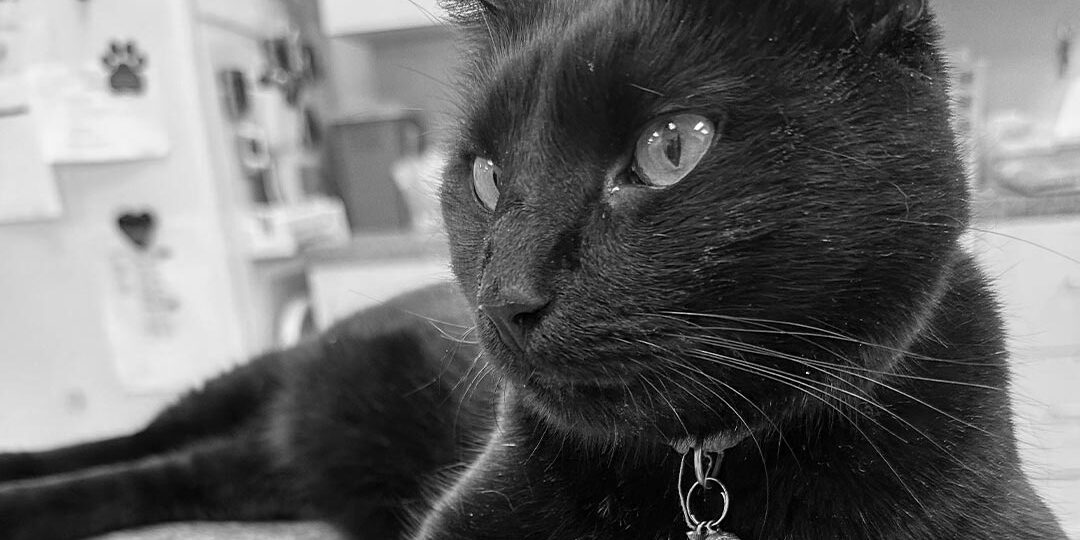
{"points": [[610, 411], [596, 411], [574, 403]]}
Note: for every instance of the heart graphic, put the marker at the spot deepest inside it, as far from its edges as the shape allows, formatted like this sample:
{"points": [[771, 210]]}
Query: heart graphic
{"points": [[138, 227]]}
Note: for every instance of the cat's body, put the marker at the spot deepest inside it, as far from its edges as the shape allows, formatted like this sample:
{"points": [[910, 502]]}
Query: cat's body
{"points": [[688, 224]]}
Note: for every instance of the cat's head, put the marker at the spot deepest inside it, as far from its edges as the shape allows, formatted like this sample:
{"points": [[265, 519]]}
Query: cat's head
{"points": [[662, 208]]}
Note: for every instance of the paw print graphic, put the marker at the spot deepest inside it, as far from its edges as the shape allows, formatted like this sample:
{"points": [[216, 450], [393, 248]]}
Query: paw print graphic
{"points": [[125, 64]]}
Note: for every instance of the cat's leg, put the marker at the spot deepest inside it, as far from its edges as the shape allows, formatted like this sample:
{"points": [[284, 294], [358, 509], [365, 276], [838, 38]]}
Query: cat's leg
{"points": [[223, 479], [220, 407], [534, 483]]}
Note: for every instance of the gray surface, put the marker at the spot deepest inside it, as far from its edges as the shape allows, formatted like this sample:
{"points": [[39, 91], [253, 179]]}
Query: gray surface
{"points": [[230, 531], [990, 206]]}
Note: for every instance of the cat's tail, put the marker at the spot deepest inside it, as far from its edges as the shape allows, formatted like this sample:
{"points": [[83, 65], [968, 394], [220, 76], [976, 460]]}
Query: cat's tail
{"points": [[223, 406], [187, 484]]}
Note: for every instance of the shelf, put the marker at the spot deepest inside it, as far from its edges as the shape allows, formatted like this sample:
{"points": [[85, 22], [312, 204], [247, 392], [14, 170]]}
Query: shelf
{"points": [[349, 17]]}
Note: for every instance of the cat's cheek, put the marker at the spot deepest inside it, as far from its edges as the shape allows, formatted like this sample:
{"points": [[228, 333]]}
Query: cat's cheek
{"points": [[626, 199]]}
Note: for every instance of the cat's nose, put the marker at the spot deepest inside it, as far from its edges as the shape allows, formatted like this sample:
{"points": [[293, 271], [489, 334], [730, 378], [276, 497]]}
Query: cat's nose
{"points": [[513, 316]]}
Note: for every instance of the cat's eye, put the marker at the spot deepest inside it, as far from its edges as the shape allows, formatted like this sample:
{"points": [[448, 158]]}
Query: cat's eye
{"points": [[485, 175], [671, 147]]}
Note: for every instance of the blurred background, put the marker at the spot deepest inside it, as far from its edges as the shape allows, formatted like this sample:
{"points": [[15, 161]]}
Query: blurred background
{"points": [[184, 183]]}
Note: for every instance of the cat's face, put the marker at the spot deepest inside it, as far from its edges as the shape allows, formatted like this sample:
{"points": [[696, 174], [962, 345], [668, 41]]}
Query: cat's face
{"points": [[664, 210]]}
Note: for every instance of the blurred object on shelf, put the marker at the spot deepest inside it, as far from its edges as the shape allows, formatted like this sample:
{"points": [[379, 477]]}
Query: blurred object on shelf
{"points": [[1046, 171], [363, 151], [1038, 158], [291, 65], [284, 230], [253, 153], [13, 95], [235, 93], [418, 177], [1067, 126], [968, 92], [297, 321], [1066, 35]]}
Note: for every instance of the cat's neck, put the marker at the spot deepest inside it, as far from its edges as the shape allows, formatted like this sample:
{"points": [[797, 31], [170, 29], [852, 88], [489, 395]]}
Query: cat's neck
{"points": [[941, 417]]}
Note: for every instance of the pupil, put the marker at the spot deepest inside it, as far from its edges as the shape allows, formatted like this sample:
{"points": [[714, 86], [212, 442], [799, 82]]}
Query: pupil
{"points": [[673, 150]]}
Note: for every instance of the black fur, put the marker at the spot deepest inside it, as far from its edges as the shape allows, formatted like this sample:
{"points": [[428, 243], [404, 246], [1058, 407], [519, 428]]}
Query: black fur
{"points": [[800, 295]]}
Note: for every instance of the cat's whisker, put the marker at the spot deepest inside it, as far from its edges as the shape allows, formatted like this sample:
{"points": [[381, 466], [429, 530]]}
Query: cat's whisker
{"points": [[804, 336], [432, 17], [672, 357], [702, 383], [798, 382], [646, 90], [699, 399], [485, 370], [908, 376], [644, 380], [460, 340], [780, 434], [664, 395], [964, 226], [866, 398], [825, 399], [467, 376], [824, 333], [435, 321], [802, 361], [446, 360], [751, 368], [539, 442], [847, 368], [690, 369], [763, 367], [758, 350]]}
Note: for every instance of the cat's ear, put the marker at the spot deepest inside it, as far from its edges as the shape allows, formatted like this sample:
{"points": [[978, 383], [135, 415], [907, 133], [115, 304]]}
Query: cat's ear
{"points": [[877, 24], [888, 14], [911, 13], [469, 12]]}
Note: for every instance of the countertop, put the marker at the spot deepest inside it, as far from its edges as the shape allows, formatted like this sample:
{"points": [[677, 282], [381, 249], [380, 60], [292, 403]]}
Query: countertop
{"points": [[992, 206]]}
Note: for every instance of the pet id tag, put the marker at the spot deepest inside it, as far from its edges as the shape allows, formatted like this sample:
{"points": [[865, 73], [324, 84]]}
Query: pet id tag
{"points": [[705, 467], [710, 535]]}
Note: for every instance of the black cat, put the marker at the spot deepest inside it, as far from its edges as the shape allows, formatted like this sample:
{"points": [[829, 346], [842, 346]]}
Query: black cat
{"points": [[708, 250]]}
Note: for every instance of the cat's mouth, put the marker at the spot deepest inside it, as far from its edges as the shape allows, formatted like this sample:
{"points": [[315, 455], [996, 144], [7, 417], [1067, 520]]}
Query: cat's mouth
{"points": [[554, 380]]}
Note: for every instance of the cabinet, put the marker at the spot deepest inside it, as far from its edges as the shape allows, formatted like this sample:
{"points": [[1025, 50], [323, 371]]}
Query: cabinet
{"points": [[371, 269], [148, 283]]}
